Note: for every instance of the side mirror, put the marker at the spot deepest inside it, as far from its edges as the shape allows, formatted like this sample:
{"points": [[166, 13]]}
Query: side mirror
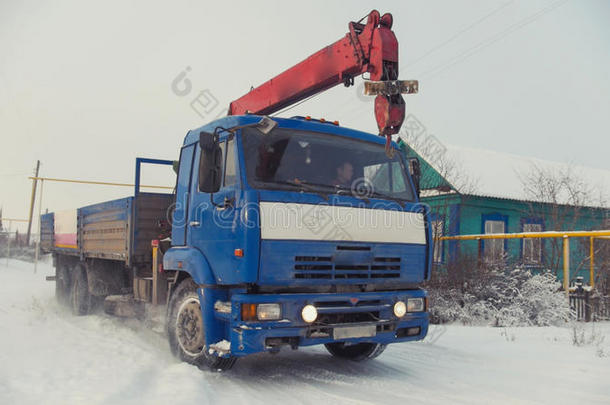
{"points": [[210, 165], [415, 170]]}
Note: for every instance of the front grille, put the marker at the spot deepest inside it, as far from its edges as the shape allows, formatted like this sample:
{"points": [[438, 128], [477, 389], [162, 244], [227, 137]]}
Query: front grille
{"points": [[329, 319], [348, 247], [357, 317], [363, 265], [335, 304]]}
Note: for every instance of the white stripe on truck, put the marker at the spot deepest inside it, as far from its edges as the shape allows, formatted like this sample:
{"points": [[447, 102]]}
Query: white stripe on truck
{"points": [[322, 222]]}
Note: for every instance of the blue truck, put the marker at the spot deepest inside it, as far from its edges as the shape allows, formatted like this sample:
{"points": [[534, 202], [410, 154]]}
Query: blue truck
{"points": [[267, 241], [280, 231]]}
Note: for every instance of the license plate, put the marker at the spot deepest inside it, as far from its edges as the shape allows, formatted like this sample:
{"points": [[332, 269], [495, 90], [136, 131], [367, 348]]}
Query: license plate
{"points": [[347, 332]]}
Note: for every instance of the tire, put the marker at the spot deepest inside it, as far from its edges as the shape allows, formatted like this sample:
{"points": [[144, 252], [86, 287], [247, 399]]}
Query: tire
{"points": [[186, 330], [355, 352], [80, 298], [63, 284]]}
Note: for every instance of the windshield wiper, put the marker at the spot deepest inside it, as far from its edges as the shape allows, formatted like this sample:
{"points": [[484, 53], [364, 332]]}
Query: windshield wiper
{"points": [[350, 192], [388, 197], [338, 188], [303, 186]]}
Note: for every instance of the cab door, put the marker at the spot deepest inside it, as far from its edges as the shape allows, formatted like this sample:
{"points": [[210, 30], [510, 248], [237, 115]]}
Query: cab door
{"points": [[212, 225], [183, 186]]}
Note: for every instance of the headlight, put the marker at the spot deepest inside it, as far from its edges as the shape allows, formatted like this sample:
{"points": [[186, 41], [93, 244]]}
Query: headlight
{"points": [[400, 309], [268, 312], [261, 312], [415, 305], [309, 313]]}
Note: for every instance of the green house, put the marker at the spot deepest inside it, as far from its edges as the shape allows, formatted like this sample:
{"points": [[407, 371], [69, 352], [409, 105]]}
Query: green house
{"points": [[496, 203]]}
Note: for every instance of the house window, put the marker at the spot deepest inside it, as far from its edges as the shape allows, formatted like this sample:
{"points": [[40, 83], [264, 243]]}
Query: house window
{"points": [[532, 248], [494, 248], [438, 227]]}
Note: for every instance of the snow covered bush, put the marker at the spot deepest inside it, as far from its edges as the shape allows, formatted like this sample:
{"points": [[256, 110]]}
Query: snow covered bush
{"points": [[542, 302], [501, 298]]}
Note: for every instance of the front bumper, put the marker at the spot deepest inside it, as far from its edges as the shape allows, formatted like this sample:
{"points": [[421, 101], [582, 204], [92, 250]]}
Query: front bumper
{"points": [[342, 310]]}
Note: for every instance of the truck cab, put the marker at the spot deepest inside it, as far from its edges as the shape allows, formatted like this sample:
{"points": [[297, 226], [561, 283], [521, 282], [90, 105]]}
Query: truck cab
{"points": [[294, 232]]}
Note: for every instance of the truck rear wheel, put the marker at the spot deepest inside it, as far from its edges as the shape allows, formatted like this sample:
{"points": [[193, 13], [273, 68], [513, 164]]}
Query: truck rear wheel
{"points": [[63, 284], [355, 352], [186, 330], [80, 297]]}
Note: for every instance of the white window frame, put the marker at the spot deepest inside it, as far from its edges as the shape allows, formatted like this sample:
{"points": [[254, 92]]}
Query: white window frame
{"points": [[438, 230], [494, 248], [532, 247]]}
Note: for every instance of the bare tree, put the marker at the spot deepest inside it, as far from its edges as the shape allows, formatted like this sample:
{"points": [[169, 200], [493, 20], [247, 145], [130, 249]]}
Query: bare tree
{"points": [[564, 186], [560, 196]]}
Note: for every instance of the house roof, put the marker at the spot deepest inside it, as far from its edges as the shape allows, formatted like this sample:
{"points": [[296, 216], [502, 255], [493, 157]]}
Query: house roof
{"points": [[500, 175], [431, 179]]}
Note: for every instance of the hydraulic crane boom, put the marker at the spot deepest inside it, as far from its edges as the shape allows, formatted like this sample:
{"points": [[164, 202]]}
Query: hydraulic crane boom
{"points": [[370, 47]]}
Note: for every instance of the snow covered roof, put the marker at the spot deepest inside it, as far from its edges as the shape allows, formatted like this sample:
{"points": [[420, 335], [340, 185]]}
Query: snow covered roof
{"points": [[496, 174]]}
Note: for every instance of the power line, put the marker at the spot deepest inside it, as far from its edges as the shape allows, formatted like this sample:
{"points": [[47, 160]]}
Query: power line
{"points": [[486, 42], [103, 183], [294, 105], [455, 36], [459, 33], [493, 39]]}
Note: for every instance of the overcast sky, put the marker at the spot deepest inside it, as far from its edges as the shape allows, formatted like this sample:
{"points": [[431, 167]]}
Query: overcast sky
{"points": [[87, 86]]}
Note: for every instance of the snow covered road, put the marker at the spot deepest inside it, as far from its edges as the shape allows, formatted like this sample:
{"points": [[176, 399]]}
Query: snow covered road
{"points": [[48, 356]]}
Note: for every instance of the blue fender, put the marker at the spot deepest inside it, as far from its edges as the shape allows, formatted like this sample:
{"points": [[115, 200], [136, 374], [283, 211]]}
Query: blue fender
{"points": [[191, 261]]}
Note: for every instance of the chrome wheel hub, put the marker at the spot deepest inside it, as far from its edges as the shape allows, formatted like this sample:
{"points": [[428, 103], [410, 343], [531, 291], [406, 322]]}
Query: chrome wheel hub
{"points": [[189, 327]]}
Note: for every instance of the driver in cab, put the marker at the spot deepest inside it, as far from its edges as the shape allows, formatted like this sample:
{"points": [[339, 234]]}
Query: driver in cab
{"points": [[344, 174]]}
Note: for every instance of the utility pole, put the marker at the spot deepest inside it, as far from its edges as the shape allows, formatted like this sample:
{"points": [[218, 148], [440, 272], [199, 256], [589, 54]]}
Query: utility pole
{"points": [[32, 200], [39, 226]]}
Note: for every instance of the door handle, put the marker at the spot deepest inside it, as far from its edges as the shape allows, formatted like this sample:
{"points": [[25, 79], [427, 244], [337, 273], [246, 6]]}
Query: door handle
{"points": [[194, 223]]}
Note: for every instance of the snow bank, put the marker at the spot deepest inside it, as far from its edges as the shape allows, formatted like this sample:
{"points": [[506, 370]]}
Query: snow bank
{"points": [[50, 357]]}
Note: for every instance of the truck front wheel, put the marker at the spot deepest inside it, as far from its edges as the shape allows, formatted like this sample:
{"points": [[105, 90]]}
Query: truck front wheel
{"points": [[355, 352], [186, 330]]}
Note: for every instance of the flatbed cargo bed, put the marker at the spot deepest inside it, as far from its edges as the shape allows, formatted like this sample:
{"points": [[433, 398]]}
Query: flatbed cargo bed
{"points": [[116, 230]]}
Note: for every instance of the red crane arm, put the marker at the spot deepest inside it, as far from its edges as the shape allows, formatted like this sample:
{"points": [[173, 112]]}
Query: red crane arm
{"points": [[370, 47]]}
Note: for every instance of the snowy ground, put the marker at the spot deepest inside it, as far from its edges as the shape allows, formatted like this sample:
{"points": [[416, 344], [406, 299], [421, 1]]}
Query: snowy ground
{"points": [[49, 357]]}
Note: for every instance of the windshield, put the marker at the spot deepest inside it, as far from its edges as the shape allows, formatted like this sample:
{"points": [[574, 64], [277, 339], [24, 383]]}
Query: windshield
{"points": [[321, 163]]}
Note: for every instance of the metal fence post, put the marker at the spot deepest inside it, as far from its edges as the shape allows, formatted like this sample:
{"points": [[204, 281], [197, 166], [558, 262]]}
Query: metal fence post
{"points": [[588, 308], [8, 243], [591, 262], [566, 264]]}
